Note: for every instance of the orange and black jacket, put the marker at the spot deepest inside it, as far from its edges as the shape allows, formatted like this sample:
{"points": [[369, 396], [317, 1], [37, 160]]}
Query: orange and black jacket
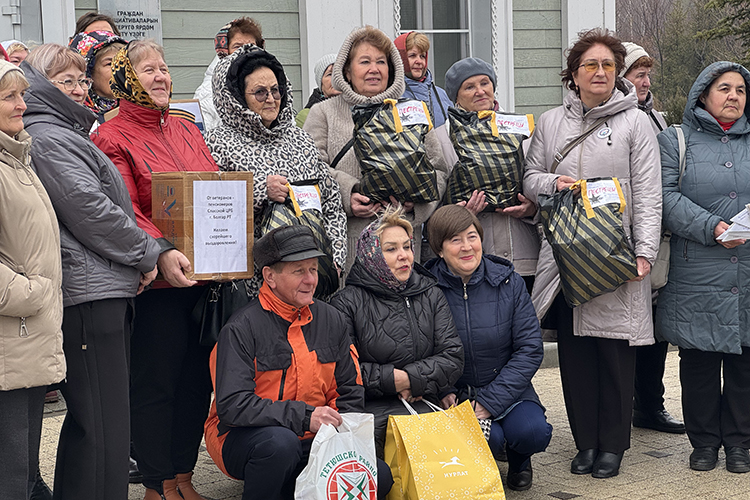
{"points": [[275, 363]]}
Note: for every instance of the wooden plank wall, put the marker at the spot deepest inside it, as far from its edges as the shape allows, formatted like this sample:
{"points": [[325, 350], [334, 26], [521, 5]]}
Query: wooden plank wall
{"points": [[537, 49], [189, 27]]}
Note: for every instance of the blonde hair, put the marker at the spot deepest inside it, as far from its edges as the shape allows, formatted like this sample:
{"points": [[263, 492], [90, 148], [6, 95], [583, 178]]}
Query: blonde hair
{"points": [[16, 47], [138, 49], [13, 78], [393, 216], [112, 48], [51, 59], [418, 40]]}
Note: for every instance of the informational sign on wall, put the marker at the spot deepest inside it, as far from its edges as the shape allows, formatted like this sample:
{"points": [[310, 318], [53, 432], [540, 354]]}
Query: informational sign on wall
{"points": [[136, 19]]}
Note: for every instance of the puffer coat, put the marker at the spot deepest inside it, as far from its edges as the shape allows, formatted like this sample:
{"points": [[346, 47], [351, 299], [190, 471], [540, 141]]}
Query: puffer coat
{"points": [[412, 331], [706, 303], [331, 125], [499, 330], [629, 153], [242, 142]]}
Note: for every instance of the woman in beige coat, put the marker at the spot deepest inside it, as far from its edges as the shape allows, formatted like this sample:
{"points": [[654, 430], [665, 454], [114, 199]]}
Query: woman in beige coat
{"points": [[368, 69], [596, 340], [31, 355]]}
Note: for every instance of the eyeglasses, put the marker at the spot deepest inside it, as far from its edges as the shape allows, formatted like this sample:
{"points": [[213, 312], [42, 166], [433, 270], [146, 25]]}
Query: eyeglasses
{"points": [[262, 94], [591, 66], [70, 85]]}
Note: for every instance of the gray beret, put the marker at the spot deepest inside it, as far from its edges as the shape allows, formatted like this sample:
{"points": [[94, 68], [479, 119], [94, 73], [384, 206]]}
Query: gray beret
{"points": [[463, 69]]}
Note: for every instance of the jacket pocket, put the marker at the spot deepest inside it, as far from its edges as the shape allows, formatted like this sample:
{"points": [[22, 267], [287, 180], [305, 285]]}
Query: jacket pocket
{"points": [[327, 354], [271, 362]]}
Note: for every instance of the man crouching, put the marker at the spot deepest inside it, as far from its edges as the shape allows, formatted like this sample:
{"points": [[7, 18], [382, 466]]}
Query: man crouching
{"points": [[284, 366]]}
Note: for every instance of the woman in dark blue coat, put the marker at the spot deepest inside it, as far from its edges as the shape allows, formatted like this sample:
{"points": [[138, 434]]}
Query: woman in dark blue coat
{"points": [[501, 336]]}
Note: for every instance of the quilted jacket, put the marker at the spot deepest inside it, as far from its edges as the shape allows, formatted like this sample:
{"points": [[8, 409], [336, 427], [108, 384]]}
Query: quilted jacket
{"points": [[499, 330], [706, 303], [412, 331]]}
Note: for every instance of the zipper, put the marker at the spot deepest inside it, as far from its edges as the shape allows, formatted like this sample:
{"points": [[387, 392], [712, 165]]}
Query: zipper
{"points": [[684, 251], [168, 146], [281, 385], [24, 331], [470, 347], [412, 328], [466, 296]]}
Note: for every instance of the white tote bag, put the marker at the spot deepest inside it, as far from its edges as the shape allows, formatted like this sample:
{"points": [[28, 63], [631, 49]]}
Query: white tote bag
{"points": [[342, 462]]}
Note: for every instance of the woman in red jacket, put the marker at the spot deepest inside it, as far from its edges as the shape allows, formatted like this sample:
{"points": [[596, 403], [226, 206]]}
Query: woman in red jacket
{"points": [[170, 383]]}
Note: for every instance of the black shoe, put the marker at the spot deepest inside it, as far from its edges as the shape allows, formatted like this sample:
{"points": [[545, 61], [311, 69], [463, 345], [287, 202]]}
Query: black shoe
{"points": [[606, 465], [583, 462], [134, 475], [40, 491], [521, 480], [738, 459], [705, 458], [659, 420]]}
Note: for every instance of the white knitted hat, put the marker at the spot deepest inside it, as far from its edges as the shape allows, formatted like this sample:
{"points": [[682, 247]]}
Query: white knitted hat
{"points": [[634, 52]]}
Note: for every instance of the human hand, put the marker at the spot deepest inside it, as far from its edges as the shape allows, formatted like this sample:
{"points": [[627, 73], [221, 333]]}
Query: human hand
{"points": [[408, 206], [476, 203], [276, 189], [401, 380], [719, 230], [480, 411], [146, 279], [448, 401], [564, 181], [363, 207], [527, 208], [171, 264], [324, 415], [644, 267], [407, 396]]}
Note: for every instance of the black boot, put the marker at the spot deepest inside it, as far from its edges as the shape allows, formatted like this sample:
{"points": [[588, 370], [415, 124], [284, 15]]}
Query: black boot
{"points": [[40, 491]]}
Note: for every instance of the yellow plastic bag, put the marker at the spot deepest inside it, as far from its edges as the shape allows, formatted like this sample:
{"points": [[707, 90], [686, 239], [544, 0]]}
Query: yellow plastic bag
{"points": [[440, 455]]}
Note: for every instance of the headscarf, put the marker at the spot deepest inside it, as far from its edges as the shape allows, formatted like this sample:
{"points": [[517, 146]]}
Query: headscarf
{"points": [[370, 255], [126, 85], [89, 45], [221, 41], [400, 43]]}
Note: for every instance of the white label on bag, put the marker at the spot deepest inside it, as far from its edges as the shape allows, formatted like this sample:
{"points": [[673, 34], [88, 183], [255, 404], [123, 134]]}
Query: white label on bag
{"points": [[308, 198], [513, 124], [602, 192], [412, 113]]}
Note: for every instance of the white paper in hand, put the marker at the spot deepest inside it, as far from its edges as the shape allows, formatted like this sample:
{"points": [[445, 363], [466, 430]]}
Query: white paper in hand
{"points": [[342, 462]]}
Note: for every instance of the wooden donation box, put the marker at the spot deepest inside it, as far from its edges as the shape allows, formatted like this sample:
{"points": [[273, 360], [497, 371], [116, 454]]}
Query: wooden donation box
{"points": [[208, 216]]}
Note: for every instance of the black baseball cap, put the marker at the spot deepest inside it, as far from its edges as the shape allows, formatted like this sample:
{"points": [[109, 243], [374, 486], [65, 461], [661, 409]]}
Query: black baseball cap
{"points": [[286, 244]]}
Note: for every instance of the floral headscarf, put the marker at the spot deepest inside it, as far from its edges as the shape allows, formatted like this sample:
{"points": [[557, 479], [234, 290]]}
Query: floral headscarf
{"points": [[88, 45], [370, 254], [126, 85], [221, 41]]}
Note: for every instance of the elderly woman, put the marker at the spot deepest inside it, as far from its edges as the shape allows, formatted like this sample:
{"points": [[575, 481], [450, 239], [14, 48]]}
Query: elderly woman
{"points": [[368, 69], [324, 90], [15, 50], [413, 48], [254, 100], [31, 312], [510, 232], [704, 307], [98, 48], [170, 382], [106, 260], [596, 340], [401, 323], [232, 36], [501, 338]]}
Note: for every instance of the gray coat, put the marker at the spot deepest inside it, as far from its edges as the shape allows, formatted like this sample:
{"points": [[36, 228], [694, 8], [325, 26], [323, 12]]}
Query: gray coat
{"points": [[632, 157], [706, 303], [104, 252]]}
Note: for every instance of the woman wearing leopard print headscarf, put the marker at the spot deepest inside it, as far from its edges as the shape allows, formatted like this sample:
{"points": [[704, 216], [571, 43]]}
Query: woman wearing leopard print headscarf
{"points": [[258, 133], [170, 382]]}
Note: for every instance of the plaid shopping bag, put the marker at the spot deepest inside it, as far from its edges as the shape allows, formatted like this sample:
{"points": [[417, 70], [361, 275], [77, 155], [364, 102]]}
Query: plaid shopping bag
{"points": [[593, 254], [490, 156], [389, 144], [295, 211]]}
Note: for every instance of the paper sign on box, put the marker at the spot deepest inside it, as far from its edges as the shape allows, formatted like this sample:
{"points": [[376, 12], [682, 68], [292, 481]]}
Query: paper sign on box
{"points": [[208, 216]]}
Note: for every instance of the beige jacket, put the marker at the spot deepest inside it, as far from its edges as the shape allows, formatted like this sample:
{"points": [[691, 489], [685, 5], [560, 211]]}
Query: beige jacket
{"points": [[330, 124], [31, 353], [632, 157]]}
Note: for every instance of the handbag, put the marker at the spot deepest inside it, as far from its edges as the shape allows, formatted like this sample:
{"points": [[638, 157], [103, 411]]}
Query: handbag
{"points": [[660, 269], [342, 462], [440, 455], [216, 305]]}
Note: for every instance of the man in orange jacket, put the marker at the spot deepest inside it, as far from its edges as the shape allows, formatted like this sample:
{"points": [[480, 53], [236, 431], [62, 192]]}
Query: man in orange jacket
{"points": [[283, 366]]}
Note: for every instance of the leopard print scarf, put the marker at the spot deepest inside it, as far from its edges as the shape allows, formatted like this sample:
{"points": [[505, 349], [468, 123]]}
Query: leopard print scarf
{"points": [[126, 85]]}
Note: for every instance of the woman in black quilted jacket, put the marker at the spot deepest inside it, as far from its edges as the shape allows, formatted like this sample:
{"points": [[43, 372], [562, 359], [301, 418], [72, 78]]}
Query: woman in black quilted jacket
{"points": [[401, 324]]}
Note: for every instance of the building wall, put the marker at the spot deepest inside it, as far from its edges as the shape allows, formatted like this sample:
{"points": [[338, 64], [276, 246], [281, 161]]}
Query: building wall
{"points": [[189, 27]]}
